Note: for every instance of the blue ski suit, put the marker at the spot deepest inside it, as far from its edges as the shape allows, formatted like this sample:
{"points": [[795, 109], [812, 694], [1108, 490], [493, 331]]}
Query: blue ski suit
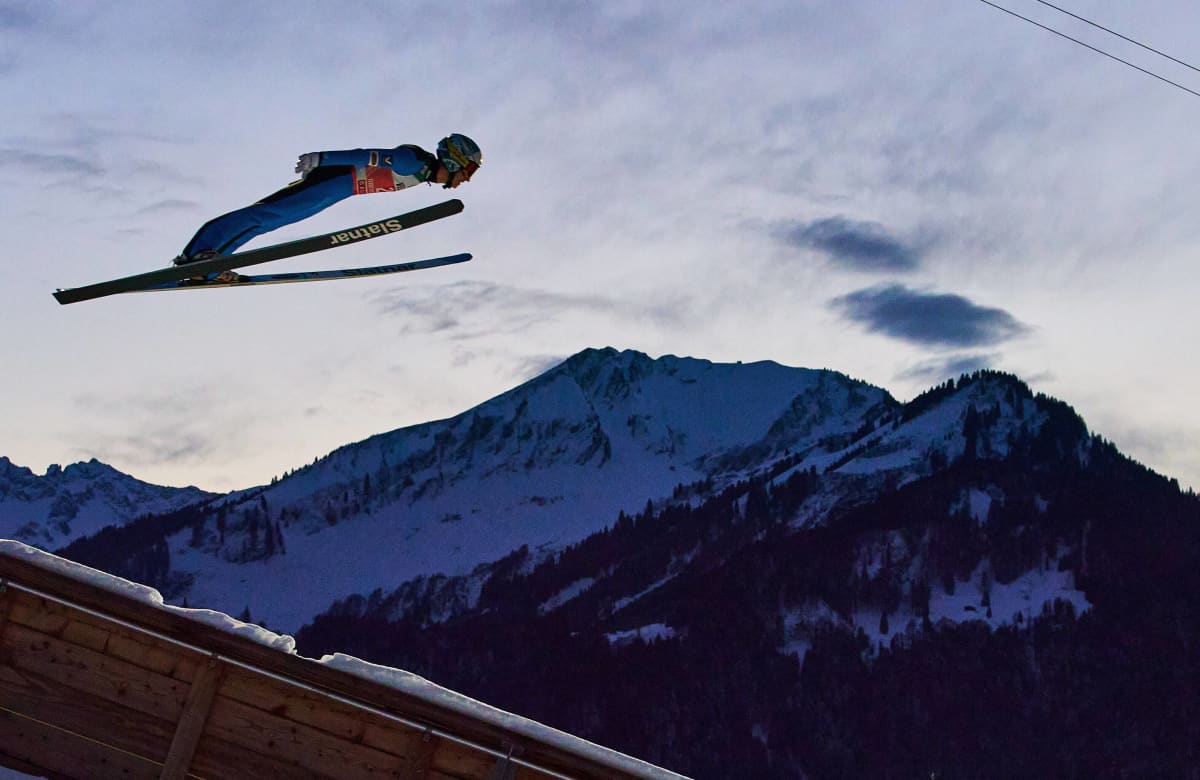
{"points": [[337, 176]]}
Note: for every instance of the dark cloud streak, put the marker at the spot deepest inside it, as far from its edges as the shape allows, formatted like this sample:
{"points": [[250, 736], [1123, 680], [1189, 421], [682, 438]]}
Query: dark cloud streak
{"points": [[953, 366], [928, 319], [49, 163], [856, 246], [168, 204]]}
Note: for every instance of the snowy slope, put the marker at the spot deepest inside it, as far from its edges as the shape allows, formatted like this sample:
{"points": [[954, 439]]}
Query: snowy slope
{"points": [[543, 465], [53, 510], [961, 507]]}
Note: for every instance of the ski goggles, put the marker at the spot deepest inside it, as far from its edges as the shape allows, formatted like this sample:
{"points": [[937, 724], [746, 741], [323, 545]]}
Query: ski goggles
{"points": [[454, 161]]}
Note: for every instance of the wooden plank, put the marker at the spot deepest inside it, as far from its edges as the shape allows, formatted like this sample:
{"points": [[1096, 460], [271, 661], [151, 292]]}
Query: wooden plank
{"points": [[321, 712], [436, 775], [122, 683], [25, 768], [47, 700], [154, 655], [217, 759], [526, 773], [6, 600], [62, 753], [458, 760], [85, 634], [45, 616], [101, 635], [191, 723], [288, 741], [63, 731], [421, 760]]}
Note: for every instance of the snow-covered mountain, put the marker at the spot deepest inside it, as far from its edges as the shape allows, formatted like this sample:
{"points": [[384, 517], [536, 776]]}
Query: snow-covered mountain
{"points": [[631, 516], [841, 447], [551, 462], [63, 505], [544, 465], [970, 584]]}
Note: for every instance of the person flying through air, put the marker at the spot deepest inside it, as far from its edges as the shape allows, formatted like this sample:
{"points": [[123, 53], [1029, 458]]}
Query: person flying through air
{"points": [[325, 179]]}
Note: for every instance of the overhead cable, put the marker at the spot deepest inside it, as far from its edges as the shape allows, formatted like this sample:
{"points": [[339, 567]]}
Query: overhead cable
{"points": [[1093, 48], [1122, 37]]}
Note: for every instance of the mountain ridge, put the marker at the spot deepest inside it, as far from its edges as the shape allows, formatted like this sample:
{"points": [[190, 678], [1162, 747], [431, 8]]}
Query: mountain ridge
{"points": [[544, 465], [67, 504], [987, 609], [757, 566]]}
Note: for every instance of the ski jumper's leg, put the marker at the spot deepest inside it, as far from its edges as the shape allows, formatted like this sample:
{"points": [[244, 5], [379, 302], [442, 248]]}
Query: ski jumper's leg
{"points": [[319, 190]]}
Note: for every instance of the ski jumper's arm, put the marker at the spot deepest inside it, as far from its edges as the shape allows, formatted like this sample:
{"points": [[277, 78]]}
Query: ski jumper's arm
{"points": [[384, 170]]}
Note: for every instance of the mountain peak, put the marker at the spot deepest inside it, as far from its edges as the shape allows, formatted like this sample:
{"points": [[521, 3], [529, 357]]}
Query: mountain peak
{"points": [[68, 503]]}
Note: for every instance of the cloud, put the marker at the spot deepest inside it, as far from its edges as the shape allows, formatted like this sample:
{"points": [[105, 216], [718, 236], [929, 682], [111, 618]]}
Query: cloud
{"points": [[855, 246], [157, 448], [933, 371], [46, 163], [100, 131], [1174, 448], [13, 17], [160, 173], [169, 204], [530, 366], [928, 319], [475, 309], [152, 429]]}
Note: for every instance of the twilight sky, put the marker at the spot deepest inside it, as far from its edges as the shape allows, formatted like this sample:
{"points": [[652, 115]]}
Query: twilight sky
{"points": [[901, 191]]}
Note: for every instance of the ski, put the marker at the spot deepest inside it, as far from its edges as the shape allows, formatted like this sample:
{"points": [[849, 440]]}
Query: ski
{"points": [[308, 276], [266, 254]]}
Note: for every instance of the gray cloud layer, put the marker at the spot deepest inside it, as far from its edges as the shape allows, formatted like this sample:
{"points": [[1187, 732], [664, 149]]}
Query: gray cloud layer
{"points": [[928, 319]]}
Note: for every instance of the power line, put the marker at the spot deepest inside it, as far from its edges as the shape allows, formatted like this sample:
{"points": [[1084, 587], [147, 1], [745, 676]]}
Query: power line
{"points": [[1122, 37], [1093, 48]]}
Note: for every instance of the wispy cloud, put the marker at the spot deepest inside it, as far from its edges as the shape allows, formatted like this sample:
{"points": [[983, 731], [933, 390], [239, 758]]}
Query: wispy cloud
{"points": [[532, 366], [168, 204], [160, 172], [49, 163], [853, 245], [928, 319], [157, 429], [155, 447], [933, 371], [475, 309], [1169, 447]]}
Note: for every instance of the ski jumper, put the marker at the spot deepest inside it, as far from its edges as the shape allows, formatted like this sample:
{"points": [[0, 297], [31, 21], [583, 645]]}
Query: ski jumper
{"points": [[337, 176]]}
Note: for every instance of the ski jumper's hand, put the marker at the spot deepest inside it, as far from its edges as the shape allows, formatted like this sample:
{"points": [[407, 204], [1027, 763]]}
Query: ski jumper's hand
{"points": [[307, 162]]}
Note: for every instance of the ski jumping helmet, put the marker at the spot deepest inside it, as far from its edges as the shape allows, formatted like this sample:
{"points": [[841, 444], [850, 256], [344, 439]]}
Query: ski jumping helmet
{"points": [[456, 152]]}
